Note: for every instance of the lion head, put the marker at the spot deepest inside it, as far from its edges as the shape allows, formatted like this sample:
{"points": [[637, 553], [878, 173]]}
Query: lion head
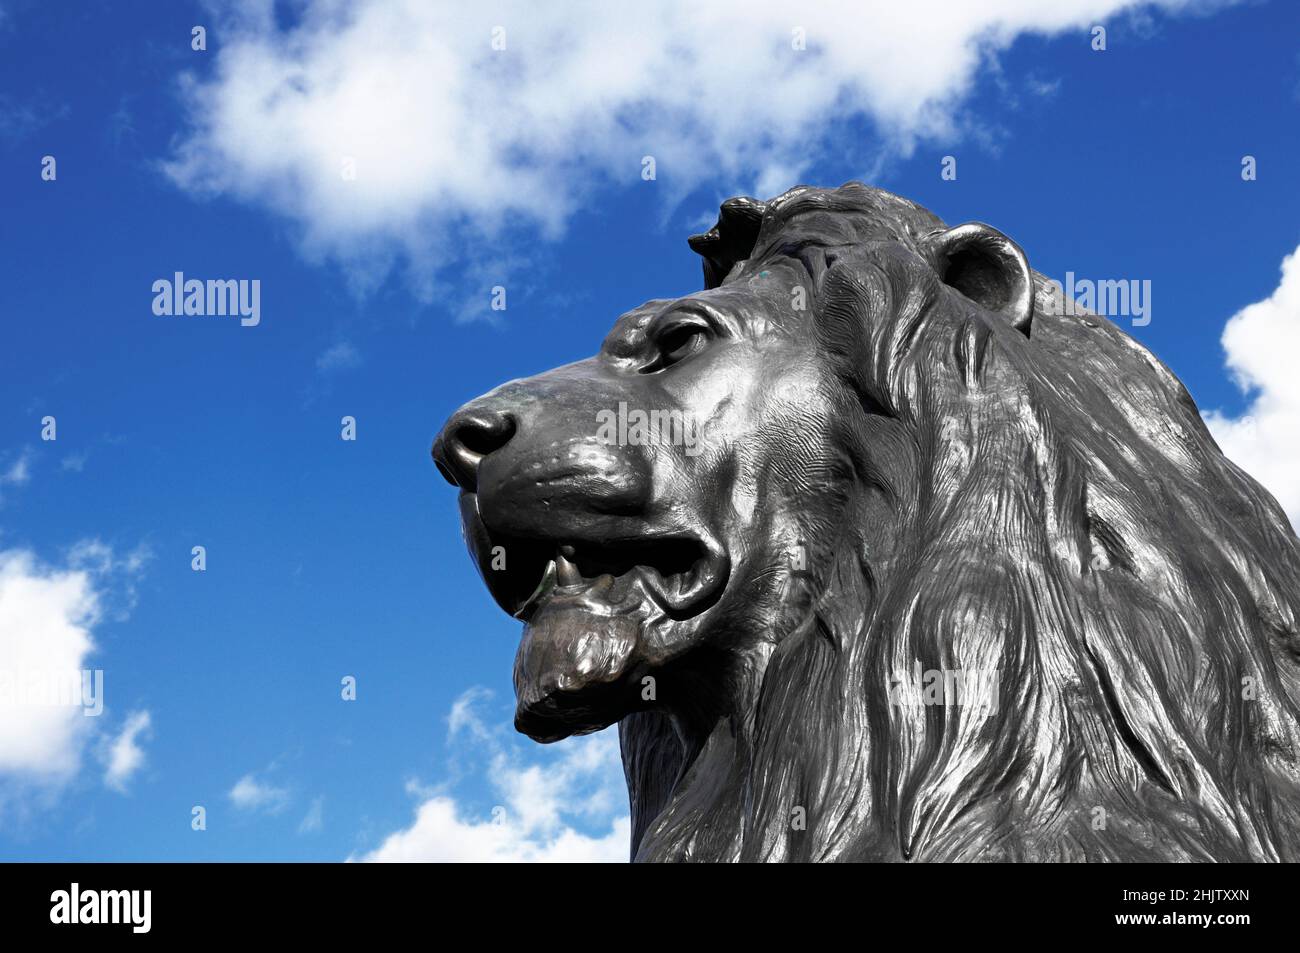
{"points": [[877, 551]]}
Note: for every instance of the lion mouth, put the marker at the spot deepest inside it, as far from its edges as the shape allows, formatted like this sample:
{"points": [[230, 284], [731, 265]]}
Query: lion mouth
{"points": [[679, 573], [682, 572], [601, 616], [596, 612]]}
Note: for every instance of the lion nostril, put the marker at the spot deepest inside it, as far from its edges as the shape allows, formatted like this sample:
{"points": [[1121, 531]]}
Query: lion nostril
{"points": [[484, 436], [466, 439]]}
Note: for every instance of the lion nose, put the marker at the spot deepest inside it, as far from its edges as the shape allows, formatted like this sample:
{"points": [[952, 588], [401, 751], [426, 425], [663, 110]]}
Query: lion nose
{"points": [[469, 436]]}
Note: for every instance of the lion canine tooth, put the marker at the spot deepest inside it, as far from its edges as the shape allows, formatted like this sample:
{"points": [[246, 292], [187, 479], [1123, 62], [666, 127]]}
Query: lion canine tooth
{"points": [[566, 573]]}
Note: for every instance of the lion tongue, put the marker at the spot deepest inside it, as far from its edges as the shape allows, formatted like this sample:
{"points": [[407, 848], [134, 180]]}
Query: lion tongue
{"points": [[568, 667]]}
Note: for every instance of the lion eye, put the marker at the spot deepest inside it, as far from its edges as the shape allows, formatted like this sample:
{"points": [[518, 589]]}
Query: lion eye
{"points": [[677, 343]]}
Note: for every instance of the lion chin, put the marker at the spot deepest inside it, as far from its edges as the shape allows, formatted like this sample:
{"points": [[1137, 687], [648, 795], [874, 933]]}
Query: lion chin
{"points": [[878, 549], [577, 650]]}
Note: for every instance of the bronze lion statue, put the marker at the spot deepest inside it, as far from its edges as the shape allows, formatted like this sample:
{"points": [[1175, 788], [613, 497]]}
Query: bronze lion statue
{"points": [[876, 550]]}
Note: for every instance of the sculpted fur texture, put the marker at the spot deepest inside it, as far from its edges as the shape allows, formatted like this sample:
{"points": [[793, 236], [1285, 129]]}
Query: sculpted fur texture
{"points": [[898, 469]]}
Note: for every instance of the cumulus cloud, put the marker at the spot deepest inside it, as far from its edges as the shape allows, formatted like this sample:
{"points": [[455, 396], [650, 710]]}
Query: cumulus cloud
{"points": [[251, 794], [46, 618], [399, 129], [542, 796], [50, 697], [124, 756], [1262, 342]]}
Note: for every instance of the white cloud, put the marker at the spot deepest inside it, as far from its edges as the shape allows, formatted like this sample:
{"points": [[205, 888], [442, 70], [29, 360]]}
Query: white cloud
{"points": [[46, 618], [48, 693], [104, 562], [1262, 342], [19, 471], [440, 834], [99, 557], [16, 470], [18, 121], [250, 794], [314, 819], [123, 757], [464, 718], [338, 357], [541, 794], [452, 140]]}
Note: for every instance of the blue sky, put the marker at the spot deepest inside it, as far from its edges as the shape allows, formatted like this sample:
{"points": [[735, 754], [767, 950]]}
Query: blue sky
{"points": [[328, 558]]}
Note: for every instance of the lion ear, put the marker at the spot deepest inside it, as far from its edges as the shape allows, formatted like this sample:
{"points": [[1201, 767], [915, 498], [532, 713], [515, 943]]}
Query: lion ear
{"points": [[731, 240], [987, 267]]}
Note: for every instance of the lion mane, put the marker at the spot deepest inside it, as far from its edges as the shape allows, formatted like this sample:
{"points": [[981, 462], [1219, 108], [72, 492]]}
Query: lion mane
{"points": [[1063, 518]]}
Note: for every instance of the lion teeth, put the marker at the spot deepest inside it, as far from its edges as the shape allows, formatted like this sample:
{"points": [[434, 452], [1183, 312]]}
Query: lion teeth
{"points": [[566, 573]]}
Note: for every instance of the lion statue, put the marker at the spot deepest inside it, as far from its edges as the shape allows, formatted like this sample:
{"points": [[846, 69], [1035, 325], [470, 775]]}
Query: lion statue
{"points": [[878, 549]]}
